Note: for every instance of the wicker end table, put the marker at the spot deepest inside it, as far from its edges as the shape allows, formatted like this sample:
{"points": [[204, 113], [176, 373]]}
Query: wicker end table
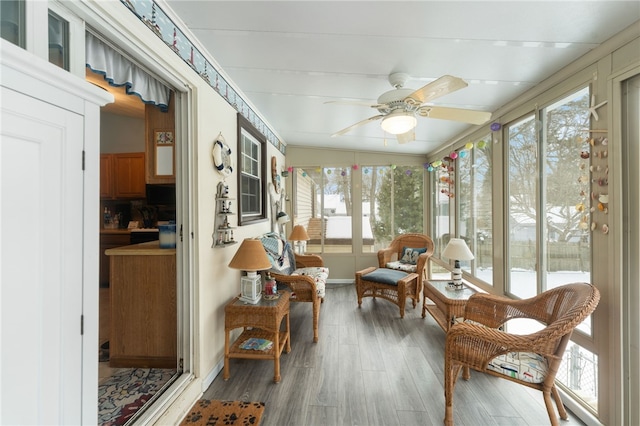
{"points": [[447, 304], [263, 321]]}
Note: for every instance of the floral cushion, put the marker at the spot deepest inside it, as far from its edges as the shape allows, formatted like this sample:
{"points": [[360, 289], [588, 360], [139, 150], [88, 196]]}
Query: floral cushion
{"points": [[526, 366], [319, 275], [401, 266]]}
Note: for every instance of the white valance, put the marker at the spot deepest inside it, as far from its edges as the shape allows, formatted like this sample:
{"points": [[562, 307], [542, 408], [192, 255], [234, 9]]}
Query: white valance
{"points": [[119, 71]]}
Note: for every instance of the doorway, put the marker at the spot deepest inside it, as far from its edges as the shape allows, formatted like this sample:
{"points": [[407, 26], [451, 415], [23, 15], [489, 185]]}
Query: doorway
{"points": [[138, 359]]}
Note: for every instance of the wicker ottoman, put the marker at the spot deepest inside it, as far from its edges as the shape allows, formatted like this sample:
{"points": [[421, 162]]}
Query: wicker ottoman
{"points": [[390, 284]]}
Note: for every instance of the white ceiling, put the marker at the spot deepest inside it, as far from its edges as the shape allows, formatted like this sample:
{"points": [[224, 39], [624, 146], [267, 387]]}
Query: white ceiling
{"points": [[289, 57]]}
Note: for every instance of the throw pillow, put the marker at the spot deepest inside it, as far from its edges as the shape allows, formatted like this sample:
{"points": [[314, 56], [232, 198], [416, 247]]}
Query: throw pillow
{"points": [[410, 255]]}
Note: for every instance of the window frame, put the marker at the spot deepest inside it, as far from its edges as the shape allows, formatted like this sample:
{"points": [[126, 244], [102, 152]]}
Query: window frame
{"points": [[245, 126]]}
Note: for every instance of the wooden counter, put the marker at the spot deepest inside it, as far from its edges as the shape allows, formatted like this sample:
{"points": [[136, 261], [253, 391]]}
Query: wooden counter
{"points": [[110, 238], [143, 306]]}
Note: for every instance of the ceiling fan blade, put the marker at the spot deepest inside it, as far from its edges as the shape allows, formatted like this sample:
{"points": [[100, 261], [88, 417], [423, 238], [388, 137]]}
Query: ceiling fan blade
{"points": [[435, 89], [455, 114], [406, 137], [358, 124]]}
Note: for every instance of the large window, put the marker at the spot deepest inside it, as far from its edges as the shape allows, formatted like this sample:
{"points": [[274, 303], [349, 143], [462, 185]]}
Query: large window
{"points": [[324, 205], [251, 162], [442, 194], [474, 220], [392, 204], [549, 181], [549, 197], [522, 207]]}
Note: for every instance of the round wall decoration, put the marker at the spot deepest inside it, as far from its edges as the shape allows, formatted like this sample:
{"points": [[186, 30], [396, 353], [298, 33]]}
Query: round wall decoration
{"points": [[222, 156]]}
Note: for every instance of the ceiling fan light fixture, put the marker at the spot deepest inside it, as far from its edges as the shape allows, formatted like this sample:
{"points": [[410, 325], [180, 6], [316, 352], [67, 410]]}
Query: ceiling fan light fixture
{"points": [[398, 122]]}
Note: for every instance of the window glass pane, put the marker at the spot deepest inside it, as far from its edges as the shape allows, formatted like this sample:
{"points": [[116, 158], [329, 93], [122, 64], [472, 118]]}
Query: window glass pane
{"points": [[58, 41], [441, 201], [392, 204], [324, 207], [250, 177], [566, 217], [338, 209], [521, 200], [474, 198], [579, 374], [13, 22], [306, 208]]}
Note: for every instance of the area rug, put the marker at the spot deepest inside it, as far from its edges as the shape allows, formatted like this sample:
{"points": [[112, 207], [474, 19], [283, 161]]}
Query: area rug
{"points": [[212, 412], [126, 391]]}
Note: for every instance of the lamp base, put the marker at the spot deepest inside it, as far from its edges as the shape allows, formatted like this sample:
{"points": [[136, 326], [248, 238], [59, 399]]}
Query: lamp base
{"points": [[456, 276], [250, 301], [250, 289]]}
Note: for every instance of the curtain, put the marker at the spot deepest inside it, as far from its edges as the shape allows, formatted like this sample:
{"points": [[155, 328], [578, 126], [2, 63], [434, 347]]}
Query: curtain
{"points": [[119, 71]]}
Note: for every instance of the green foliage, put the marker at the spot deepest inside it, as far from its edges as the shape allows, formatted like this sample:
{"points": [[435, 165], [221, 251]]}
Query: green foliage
{"points": [[399, 198]]}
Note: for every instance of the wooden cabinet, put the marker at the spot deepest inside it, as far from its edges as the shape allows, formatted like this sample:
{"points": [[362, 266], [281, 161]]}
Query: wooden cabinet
{"points": [[122, 175], [110, 239], [143, 293]]}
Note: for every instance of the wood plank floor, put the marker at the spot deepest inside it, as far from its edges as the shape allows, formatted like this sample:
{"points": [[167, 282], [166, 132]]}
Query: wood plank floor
{"points": [[372, 368]]}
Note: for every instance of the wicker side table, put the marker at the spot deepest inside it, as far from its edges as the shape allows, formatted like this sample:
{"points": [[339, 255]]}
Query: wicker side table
{"points": [[262, 320], [447, 304]]}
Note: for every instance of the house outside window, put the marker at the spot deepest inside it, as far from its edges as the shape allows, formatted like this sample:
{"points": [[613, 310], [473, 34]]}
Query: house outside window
{"points": [[324, 206]]}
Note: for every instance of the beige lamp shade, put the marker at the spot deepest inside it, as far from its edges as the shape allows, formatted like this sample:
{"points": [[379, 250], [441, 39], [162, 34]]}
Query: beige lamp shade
{"points": [[457, 249], [251, 256], [299, 234]]}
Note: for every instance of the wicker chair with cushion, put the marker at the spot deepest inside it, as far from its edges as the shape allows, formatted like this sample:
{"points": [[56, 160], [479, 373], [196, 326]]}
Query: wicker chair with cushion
{"points": [[401, 269], [305, 275], [408, 253], [531, 360]]}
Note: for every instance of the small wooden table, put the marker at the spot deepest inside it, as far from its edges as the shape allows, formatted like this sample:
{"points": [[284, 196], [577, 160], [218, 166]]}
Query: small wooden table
{"points": [[263, 321], [447, 304]]}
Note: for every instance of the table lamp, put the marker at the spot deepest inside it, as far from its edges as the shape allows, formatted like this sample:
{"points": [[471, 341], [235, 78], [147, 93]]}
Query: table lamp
{"points": [[457, 250], [250, 257], [299, 234]]}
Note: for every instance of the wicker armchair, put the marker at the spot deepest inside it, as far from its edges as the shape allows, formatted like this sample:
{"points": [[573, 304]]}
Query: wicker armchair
{"points": [[476, 343], [395, 250], [305, 275], [396, 279]]}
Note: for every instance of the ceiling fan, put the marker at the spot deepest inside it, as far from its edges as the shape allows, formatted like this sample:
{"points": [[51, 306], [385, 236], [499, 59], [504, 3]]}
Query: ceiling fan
{"points": [[399, 107]]}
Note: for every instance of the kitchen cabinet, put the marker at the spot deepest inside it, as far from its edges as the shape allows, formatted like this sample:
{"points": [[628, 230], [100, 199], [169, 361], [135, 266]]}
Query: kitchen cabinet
{"points": [[143, 329], [122, 175], [110, 238]]}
